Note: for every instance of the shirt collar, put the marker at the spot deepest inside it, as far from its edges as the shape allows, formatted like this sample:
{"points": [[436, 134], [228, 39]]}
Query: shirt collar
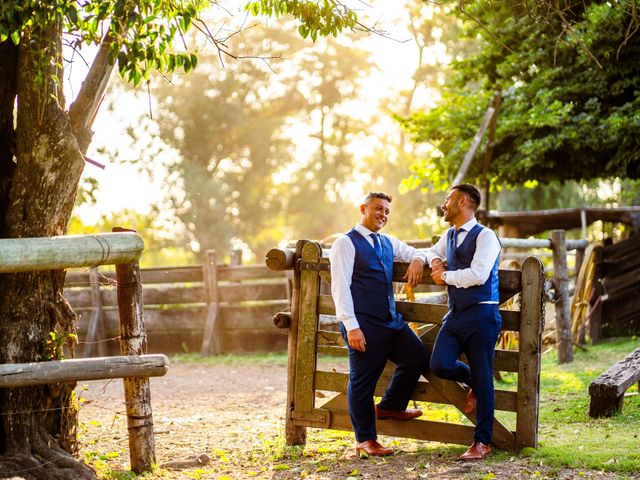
{"points": [[362, 230], [469, 225]]}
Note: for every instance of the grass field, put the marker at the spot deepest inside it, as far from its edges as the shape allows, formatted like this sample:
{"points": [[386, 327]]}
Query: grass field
{"points": [[568, 437]]}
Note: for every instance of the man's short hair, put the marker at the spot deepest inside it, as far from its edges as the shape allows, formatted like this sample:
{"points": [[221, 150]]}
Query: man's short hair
{"points": [[372, 195], [471, 191]]}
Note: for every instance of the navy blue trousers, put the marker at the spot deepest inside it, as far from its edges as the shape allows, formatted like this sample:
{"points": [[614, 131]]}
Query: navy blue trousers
{"points": [[474, 332], [403, 348]]}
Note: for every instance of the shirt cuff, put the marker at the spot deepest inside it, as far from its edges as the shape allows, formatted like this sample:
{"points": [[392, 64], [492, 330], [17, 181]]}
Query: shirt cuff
{"points": [[350, 324], [433, 259], [421, 256]]}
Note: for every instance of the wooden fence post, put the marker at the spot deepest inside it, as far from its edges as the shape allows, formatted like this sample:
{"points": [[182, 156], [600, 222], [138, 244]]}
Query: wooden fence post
{"points": [[236, 257], [95, 329], [137, 391], [529, 355], [563, 306], [295, 435], [211, 340]]}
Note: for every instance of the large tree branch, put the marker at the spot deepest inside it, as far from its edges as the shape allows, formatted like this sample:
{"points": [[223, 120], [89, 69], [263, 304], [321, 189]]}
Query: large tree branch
{"points": [[83, 110]]}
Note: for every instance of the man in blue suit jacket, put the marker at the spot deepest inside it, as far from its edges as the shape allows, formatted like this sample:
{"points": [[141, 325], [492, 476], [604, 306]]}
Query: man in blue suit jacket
{"points": [[362, 289], [473, 322]]}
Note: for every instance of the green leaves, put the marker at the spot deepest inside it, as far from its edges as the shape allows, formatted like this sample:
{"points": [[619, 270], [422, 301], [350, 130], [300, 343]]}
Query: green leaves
{"points": [[316, 18], [569, 97], [141, 32]]}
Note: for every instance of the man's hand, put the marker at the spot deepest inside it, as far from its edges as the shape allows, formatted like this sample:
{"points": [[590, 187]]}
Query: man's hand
{"points": [[414, 272], [437, 269], [356, 339]]}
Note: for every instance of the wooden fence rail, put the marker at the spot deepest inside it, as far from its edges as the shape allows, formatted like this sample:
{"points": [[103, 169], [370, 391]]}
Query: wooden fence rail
{"points": [[122, 249], [209, 309], [307, 339], [41, 373]]}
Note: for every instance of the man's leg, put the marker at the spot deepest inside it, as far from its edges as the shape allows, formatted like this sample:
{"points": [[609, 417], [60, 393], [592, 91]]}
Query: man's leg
{"points": [[479, 349], [365, 369], [447, 348], [412, 359]]}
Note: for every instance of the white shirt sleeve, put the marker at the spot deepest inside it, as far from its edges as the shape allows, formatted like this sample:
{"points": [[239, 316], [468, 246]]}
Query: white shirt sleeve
{"points": [[405, 253], [439, 250], [342, 257], [487, 250]]}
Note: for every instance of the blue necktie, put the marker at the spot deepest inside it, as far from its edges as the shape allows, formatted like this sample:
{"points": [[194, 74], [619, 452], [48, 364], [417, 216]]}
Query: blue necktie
{"points": [[454, 239], [376, 244]]}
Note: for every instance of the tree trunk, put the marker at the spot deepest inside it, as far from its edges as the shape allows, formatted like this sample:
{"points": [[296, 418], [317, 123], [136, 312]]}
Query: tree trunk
{"points": [[38, 424]]}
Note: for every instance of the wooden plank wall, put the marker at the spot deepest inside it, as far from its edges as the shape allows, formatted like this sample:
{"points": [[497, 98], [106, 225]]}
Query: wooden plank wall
{"points": [[619, 271], [175, 308]]}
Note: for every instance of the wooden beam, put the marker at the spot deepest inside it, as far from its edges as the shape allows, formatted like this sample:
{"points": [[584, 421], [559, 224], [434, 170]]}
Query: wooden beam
{"points": [[41, 373], [137, 392], [530, 356], [424, 391], [475, 143], [307, 326], [280, 259], [294, 434], [562, 303], [211, 342], [58, 253], [423, 312]]}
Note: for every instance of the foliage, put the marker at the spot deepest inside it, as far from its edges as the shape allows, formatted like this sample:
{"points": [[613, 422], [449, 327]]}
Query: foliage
{"points": [[570, 84], [236, 133], [413, 213], [317, 18], [330, 77], [141, 37], [570, 194], [230, 141]]}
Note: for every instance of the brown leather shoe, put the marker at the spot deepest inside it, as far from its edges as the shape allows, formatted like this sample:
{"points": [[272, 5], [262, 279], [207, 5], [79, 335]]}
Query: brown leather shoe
{"points": [[371, 447], [408, 414], [470, 405], [477, 451]]}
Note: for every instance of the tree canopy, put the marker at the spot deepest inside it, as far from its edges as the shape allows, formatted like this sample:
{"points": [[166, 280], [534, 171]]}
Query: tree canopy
{"points": [[569, 77]]}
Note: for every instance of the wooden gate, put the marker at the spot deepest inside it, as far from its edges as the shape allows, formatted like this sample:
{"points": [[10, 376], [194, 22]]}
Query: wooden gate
{"points": [[307, 339]]}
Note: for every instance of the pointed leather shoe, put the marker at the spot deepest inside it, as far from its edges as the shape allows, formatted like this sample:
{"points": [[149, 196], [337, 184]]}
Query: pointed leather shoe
{"points": [[371, 447], [470, 404], [408, 414], [477, 451]]}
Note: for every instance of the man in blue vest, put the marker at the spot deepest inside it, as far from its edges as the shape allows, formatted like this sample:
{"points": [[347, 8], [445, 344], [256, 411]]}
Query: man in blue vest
{"points": [[362, 289], [466, 260]]}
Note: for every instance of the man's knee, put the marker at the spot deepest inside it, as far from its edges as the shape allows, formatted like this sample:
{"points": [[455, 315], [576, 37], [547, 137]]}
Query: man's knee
{"points": [[441, 369]]}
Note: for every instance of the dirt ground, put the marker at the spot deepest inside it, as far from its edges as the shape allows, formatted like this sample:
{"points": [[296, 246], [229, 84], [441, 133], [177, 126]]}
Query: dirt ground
{"points": [[234, 415]]}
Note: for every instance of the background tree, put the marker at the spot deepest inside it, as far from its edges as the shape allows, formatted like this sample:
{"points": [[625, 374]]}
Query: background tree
{"points": [[569, 77], [330, 78], [41, 160], [228, 125], [436, 36]]}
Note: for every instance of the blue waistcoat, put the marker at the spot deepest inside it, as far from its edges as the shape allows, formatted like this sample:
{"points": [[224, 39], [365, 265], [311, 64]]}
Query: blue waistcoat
{"points": [[459, 258], [372, 283]]}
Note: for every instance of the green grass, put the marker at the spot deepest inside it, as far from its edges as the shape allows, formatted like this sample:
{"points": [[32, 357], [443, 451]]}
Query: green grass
{"points": [[279, 358], [567, 435]]}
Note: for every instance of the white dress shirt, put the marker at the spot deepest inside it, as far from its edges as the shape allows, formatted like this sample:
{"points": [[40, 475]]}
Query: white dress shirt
{"points": [[342, 257], [487, 250]]}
